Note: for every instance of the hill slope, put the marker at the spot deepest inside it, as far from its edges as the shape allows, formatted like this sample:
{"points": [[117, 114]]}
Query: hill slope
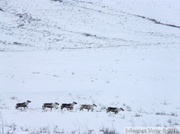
{"points": [[112, 53], [46, 24]]}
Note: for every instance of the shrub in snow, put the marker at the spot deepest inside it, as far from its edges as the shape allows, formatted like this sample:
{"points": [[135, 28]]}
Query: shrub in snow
{"points": [[58, 0], [174, 114], [160, 113], [11, 129], [44, 130], [128, 108], [165, 103], [173, 122], [108, 131], [137, 115], [14, 98], [25, 18]]}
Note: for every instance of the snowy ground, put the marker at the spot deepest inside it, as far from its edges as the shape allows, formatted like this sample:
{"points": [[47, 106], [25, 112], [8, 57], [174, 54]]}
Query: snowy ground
{"points": [[118, 53]]}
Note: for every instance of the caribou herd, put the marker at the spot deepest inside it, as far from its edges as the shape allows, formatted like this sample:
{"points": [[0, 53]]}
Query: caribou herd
{"points": [[68, 106]]}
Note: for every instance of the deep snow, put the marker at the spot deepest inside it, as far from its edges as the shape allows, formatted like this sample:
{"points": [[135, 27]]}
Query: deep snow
{"points": [[96, 51]]}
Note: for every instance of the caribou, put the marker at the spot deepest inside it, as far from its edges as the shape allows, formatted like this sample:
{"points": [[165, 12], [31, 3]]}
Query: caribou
{"points": [[88, 107], [114, 109], [50, 105], [23, 104], [68, 106]]}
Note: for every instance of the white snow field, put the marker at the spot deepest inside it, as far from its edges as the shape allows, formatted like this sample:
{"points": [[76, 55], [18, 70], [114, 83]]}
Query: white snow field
{"points": [[119, 53]]}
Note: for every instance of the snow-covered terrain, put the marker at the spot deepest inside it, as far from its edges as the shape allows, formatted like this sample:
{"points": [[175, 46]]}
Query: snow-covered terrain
{"points": [[120, 53]]}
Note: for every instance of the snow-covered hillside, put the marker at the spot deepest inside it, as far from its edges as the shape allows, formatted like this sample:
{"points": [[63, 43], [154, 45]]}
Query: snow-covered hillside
{"points": [[74, 24], [112, 53]]}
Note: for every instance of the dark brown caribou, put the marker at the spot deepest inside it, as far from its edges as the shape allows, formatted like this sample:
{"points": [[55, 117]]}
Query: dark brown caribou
{"points": [[23, 104], [114, 109], [68, 106]]}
